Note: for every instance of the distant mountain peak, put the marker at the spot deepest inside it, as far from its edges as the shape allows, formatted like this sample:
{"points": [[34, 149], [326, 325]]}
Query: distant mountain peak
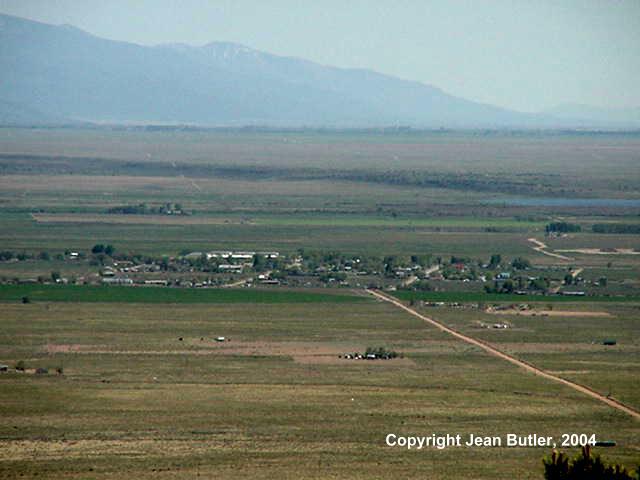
{"points": [[64, 72]]}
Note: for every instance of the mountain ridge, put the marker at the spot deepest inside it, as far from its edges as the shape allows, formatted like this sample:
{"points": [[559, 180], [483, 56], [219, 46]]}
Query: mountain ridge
{"points": [[66, 73]]}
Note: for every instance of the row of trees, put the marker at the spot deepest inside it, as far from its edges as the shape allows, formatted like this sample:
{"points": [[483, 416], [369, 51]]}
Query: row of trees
{"points": [[562, 227], [97, 249], [628, 228], [619, 228], [519, 283]]}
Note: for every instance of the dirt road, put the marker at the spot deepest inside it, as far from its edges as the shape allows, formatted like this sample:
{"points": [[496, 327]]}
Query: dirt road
{"points": [[541, 248], [520, 363]]}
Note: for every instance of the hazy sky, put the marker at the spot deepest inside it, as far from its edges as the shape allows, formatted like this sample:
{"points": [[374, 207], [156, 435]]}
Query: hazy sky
{"points": [[522, 54]]}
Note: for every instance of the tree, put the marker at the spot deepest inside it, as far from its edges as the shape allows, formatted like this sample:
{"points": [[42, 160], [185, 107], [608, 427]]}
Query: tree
{"points": [[496, 259], [55, 276], [44, 256], [109, 249], [258, 262], [585, 466], [602, 281], [568, 279], [562, 227], [507, 286], [520, 263], [539, 284], [97, 248]]}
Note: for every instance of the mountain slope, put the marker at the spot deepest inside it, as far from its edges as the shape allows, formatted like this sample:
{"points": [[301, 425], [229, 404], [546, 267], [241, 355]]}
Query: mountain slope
{"points": [[64, 72]]}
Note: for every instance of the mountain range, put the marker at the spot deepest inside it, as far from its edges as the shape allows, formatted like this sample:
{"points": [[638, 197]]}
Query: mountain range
{"points": [[60, 74]]}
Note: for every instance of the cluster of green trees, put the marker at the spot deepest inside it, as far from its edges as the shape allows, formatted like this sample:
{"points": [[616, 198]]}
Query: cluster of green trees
{"points": [[143, 208], [495, 261], [562, 227], [585, 466], [520, 263], [381, 352], [519, 283], [7, 255], [629, 228], [105, 249]]}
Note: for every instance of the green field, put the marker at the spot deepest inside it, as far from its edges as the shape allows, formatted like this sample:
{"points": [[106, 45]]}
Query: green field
{"points": [[123, 294]]}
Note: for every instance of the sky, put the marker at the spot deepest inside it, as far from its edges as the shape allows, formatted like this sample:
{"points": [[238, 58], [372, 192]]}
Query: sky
{"points": [[527, 55]]}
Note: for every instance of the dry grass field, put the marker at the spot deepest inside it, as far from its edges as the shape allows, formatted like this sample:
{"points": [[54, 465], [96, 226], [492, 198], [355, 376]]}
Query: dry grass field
{"points": [[135, 400]]}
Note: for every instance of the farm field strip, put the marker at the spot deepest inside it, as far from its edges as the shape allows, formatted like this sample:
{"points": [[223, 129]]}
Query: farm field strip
{"points": [[132, 219], [90, 293], [520, 363]]}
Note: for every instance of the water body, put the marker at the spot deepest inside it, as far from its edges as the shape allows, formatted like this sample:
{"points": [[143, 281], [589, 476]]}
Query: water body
{"points": [[566, 202]]}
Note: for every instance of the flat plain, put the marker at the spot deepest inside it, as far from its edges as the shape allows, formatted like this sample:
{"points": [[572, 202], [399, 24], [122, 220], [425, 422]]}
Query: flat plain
{"points": [[136, 400], [146, 391]]}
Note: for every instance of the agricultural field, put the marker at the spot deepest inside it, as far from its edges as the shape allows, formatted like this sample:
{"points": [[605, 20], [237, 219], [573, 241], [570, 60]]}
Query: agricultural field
{"points": [[189, 297]]}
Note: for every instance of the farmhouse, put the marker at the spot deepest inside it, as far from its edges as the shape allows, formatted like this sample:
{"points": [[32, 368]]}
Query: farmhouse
{"points": [[4, 368], [117, 281], [227, 254]]}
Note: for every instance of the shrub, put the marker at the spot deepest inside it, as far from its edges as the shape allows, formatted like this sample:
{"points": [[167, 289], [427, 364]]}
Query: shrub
{"points": [[585, 466]]}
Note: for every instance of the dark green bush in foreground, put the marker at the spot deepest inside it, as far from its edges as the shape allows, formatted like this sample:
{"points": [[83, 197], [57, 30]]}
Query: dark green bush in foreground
{"points": [[585, 466]]}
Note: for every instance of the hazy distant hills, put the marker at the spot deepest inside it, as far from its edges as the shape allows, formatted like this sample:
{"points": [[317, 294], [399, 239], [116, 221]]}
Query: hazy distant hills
{"points": [[588, 115], [57, 74]]}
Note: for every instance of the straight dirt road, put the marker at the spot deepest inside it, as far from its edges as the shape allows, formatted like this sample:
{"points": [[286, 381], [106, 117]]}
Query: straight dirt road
{"points": [[515, 361]]}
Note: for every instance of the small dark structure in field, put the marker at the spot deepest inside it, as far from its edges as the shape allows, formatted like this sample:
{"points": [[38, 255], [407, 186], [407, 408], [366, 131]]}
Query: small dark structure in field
{"points": [[41, 371], [609, 341], [370, 353], [4, 368]]}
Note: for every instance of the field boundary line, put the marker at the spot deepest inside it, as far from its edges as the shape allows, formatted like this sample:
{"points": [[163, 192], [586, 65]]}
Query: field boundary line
{"points": [[509, 358]]}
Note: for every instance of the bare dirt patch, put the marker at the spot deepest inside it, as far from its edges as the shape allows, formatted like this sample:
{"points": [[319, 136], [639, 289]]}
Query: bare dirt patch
{"points": [[64, 348], [548, 313], [304, 352]]}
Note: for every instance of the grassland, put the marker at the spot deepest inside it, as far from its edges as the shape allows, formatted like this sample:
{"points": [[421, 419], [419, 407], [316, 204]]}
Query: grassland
{"points": [[571, 345], [134, 400], [147, 393]]}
